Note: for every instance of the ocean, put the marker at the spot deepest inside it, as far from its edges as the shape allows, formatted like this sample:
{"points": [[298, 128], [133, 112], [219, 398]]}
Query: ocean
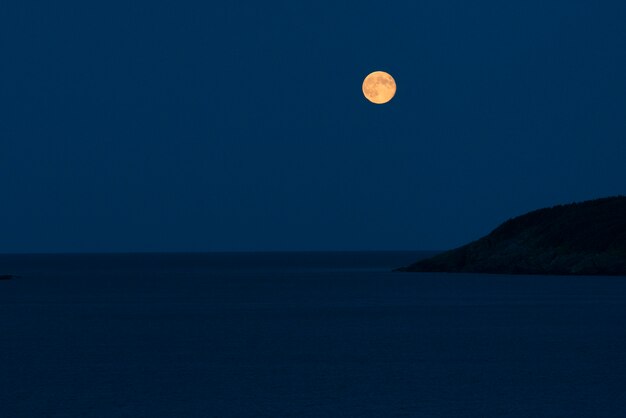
{"points": [[303, 335]]}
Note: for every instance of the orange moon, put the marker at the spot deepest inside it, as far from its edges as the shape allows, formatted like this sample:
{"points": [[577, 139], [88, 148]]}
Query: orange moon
{"points": [[379, 87]]}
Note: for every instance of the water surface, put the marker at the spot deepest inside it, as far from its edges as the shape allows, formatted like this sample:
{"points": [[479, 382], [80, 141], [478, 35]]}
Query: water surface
{"points": [[303, 335]]}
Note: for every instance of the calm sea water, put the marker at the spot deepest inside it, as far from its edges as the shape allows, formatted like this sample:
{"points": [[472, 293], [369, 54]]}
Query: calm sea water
{"points": [[303, 335]]}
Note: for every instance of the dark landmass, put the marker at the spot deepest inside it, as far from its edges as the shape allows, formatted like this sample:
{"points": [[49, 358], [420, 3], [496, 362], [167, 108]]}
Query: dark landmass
{"points": [[7, 276], [587, 238]]}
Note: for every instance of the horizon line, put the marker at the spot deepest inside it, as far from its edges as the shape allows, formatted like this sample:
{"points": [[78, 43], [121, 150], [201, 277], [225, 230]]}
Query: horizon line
{"points": [[209, 252]]}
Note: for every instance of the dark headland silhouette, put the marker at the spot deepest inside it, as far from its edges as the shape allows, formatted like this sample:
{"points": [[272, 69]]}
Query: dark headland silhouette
{"points": [[587, 238], [7, 276]]}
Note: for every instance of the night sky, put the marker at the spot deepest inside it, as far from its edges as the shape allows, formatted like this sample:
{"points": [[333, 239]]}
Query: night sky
{"points": [[204, 126]]}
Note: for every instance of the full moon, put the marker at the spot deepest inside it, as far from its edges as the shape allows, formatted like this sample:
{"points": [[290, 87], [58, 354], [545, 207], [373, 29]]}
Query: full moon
{"points": [[379, 87]]}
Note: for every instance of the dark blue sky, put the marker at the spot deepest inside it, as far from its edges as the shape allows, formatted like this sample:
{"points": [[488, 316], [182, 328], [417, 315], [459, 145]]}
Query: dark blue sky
{"points": [[196, 126]]}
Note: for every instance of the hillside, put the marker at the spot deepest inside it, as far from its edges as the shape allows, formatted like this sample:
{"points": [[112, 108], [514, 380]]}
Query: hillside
{"points": [[587, 238]]}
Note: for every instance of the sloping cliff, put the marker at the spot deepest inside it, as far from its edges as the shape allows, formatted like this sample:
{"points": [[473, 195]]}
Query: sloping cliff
{"points": [[587, 238]]}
